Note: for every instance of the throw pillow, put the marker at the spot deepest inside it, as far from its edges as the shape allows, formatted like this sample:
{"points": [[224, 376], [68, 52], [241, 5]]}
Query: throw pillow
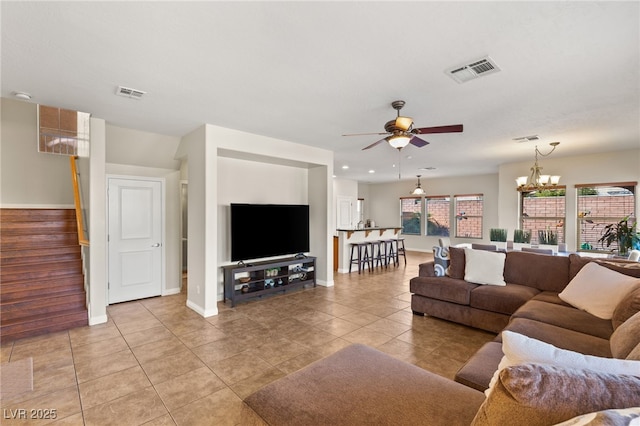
{"points": [[484, 267], [630, 305], [621, 417], [521, 349], [626, 337], [440, 260], [598, 290], [456, 263], [538, 394]]}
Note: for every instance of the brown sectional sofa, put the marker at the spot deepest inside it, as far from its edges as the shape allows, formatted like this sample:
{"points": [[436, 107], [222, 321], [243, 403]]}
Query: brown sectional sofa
{"points": [[360, 385], [528, 304]]}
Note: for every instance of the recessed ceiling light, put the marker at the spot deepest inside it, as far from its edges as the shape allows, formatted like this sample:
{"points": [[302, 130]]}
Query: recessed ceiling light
{"points": [[345, 167], [372, 171], [22, 96]]}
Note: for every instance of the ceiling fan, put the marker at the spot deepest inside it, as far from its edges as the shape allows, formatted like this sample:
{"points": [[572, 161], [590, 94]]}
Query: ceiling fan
{"points": [[401, 131]]}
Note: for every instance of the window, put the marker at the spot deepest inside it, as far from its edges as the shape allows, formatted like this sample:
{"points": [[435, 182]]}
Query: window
{"points": [[543, 213], [410, 213], [438, 209], [360, 209], [602, 204], [469, 210], [62, 131]]}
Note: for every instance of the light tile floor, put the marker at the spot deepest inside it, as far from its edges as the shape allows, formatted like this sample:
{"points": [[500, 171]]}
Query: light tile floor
{"points": [[156, 362]]}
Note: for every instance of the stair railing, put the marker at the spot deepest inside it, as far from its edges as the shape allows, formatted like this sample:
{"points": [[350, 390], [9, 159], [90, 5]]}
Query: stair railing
{"points": [[77, 197]]}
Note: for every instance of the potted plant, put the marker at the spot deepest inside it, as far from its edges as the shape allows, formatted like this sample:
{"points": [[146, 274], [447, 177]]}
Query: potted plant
{"points": [[497, 234], [547, 237], [622, 233], [521, 236]]}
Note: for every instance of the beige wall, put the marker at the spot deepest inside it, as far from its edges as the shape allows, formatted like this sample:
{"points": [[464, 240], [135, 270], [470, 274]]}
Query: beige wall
{"points": [[383, 205], [29, 178], [500, 195]]}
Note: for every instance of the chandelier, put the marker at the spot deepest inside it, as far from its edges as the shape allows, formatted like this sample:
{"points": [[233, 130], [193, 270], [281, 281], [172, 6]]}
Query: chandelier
{"points": [[537, 181]]}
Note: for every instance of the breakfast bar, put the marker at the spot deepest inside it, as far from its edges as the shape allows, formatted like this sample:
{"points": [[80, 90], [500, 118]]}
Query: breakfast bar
{"points": [[348, 236]]}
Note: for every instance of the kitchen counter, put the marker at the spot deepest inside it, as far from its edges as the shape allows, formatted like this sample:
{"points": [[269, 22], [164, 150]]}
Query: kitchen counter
{"points": [[348, 236]]}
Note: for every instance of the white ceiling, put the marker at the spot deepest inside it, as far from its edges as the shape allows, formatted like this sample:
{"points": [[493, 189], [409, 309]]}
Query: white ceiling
{"points": [[308, 72]]}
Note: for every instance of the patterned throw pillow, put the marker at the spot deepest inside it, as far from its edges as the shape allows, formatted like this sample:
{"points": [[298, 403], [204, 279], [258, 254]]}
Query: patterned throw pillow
{"points": [[440, 260]]}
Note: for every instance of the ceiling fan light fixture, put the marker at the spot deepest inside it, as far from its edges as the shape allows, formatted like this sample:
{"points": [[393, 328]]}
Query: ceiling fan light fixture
{"points": [[399, 141], [418, 189], [404, 123]]}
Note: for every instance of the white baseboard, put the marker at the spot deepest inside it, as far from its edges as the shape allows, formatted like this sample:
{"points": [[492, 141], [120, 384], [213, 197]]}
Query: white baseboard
{"points": [[170, 291], [101, 319], [324, 283], [199, 310]]}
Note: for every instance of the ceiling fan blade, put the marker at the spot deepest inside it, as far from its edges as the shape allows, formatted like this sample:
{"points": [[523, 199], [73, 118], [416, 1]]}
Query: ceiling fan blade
{"points": [[375, 143], [365, 134], [404, 123], [416, 141], [440, 129]]}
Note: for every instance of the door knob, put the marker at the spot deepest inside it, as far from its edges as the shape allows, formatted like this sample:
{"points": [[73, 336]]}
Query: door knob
{"points": [[155, 245]]}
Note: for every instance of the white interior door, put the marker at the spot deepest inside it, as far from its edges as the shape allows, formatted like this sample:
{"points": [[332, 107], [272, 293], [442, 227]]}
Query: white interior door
{"points": [[135, 239], [344, 213]]}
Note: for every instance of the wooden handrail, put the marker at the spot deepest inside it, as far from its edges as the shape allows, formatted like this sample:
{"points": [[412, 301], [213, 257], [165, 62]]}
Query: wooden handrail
{"points": [[82, 239]]}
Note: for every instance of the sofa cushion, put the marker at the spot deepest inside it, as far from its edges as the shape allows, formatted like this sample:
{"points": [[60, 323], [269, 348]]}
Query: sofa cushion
{"points": [[577, 262], [538, 394], [561, 337], [626, 308], [565, 317], [635, 353], [484, 267], [456, 263], [626, 337], [505, 300], [598, 290], [546, 273], [442, 288], [549, 297], [478, 370]]}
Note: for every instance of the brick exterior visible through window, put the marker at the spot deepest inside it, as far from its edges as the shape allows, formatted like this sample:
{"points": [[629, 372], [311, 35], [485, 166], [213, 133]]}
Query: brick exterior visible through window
{"points": [[411, 215], [543, 211], [469, 211], [600, 205], [438, 210]]}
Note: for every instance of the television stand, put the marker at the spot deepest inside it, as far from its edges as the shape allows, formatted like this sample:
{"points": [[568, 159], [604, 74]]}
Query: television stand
{"points": [[242, 282]]}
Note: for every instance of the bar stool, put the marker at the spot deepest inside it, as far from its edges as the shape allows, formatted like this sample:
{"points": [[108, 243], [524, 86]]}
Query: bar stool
{"points": [[401, 250], [390, 250], [378, 253], [360, 256]]}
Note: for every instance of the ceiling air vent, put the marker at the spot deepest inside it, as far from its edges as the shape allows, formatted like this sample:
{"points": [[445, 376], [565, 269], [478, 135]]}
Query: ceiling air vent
{"points": [[473, 70], [128, 92], [531, 138]]}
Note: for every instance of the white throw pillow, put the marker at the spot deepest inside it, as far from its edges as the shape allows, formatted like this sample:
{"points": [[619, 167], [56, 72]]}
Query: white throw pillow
{"points": [[598, 290], [520, 349], [484, 267], [620, 416]]}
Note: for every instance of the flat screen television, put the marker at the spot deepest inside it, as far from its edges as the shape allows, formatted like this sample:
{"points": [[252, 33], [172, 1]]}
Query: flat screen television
{"points": [[267, 230]]}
